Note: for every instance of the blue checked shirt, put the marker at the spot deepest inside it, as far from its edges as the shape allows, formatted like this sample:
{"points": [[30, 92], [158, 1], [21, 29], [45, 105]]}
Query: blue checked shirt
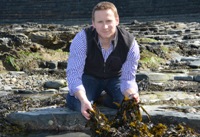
{"points": [[76, 63]]}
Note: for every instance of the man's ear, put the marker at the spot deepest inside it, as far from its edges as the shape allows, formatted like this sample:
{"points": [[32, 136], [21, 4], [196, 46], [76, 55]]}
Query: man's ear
{"points": [[93, 24], [117, 20]]}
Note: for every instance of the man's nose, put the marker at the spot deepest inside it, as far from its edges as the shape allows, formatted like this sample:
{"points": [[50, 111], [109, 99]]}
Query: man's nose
{"points": [[105, 25]]}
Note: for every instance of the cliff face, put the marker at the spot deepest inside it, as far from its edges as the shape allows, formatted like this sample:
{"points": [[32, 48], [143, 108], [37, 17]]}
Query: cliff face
{"points": [[14, 11]]}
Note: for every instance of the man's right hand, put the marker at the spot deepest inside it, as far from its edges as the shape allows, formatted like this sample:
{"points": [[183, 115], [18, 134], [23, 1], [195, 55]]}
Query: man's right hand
{"points": [[84, 107], [85, 103]]}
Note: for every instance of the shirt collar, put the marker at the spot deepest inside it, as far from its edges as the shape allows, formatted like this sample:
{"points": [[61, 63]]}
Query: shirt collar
{"points": [[114, 41]]}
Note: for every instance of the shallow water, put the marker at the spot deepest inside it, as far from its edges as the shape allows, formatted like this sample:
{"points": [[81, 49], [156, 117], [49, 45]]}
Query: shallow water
{"points": [[61, 134]]}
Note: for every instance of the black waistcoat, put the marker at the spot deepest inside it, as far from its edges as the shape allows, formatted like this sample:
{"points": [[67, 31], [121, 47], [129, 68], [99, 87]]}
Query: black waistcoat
{"points": [[95, 64]]}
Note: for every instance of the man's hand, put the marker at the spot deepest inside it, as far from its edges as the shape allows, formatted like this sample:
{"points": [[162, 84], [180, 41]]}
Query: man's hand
{"points": [[85, 105], [130, 93], [135, 96]]}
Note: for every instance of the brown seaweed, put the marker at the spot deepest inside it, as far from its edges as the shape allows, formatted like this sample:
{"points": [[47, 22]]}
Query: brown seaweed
{"points": [[128, 123]]}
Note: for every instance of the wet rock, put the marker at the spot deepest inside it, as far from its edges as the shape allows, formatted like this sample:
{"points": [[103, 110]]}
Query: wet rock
{"points": [[40, 36], [24, 91], [6, 88], [35, 47], [197, 78], [62, 65], [64, 90], [9, 40], [49, 91], [64, 119], [159, 114], [191, 36], [159, 77], [195, 64], [55, 134], [190, 110], [4, 93], [141, 76], [187, 78], [16, 73], [189, 58], [55, 84], [51, 64]]}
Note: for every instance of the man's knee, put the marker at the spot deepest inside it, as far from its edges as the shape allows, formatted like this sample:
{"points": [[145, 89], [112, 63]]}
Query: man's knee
{"points": [[73, 103]]}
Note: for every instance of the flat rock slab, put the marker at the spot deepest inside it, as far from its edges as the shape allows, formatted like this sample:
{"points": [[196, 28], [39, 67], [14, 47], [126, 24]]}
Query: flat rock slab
{"points": [[158, 96], [76, 134], [52, 118], [171, 115], [65, 119]]}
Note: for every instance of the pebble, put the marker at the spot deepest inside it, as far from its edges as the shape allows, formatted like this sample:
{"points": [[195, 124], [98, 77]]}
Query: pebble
{"points": [[190, 110], [20, 82]]}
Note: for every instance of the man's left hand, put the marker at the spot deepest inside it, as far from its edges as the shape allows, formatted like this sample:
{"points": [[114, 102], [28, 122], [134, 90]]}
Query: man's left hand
{"points": [[135, 96]]}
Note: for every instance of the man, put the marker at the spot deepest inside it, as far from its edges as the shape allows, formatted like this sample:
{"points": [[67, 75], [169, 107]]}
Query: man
{"points": [[103, 57]]}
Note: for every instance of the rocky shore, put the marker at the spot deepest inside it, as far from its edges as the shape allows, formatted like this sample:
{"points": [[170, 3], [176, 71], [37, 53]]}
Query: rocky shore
{"points": [[33, 59]]}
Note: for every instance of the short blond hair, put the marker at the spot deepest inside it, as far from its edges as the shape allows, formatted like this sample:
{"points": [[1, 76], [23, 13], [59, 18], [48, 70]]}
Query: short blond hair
{"points": [[105, 6]]}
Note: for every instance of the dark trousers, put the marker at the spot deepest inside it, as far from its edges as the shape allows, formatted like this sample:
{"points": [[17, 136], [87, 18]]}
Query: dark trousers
{"points": [[94, 88]]}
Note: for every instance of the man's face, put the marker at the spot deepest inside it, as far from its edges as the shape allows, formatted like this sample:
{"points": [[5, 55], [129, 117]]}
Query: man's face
{"points": [[105, 23]]}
